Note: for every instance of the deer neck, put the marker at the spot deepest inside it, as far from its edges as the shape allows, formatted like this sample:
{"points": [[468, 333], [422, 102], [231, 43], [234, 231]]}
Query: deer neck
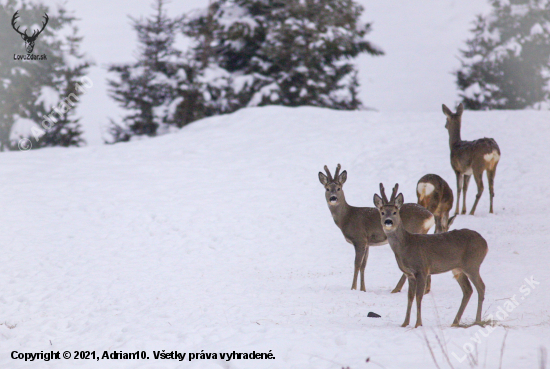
{"points": [[340, 212], [398, 239], [454, 135]]}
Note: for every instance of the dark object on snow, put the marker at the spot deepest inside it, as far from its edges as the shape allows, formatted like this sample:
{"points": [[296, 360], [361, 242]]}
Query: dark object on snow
{"points": [[373, 315]]}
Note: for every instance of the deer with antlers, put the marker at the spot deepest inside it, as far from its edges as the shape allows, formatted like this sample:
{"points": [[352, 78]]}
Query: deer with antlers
{"points": [[434, 193], [29, 40], [471, 157], [361, 226], [420, 255]]}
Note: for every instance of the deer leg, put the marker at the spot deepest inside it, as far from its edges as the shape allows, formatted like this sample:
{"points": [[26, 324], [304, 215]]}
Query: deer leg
{"points": [[466, 287], [465, 189], [459, 181], [428, 284], [400, 284], [412, 290], [491, 179], [363, 266], [480, 287], [420, 287], [437, 224], [479, 182], [359, 253]]}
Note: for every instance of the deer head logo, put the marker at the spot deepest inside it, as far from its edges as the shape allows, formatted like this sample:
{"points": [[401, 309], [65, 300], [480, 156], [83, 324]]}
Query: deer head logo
{"points": [[29, 40]]}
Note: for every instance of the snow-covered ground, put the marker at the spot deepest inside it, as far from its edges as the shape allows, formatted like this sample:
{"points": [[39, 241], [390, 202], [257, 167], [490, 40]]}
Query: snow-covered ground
{"points": [[218, 238]]}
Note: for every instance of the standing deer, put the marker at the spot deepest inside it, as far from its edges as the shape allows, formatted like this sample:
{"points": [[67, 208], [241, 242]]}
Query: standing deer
{"points": [[29, 40], [361, 226], [470, 157], [420, 255], [434, 194]]}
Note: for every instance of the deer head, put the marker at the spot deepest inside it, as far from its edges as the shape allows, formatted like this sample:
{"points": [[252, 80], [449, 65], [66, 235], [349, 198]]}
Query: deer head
{"points": [[333, 194], [389, 209], [29, 40]]}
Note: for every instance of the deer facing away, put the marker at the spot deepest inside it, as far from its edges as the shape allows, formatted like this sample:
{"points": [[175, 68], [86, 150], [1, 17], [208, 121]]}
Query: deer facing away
{"points": [[470, 157], [434, 194], [420, 255], [361, 226]]}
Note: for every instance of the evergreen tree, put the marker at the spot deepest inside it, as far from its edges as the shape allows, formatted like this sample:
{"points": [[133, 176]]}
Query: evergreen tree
{"points": [[507, 61], [30, 89], [149, 86], [291, 52]]}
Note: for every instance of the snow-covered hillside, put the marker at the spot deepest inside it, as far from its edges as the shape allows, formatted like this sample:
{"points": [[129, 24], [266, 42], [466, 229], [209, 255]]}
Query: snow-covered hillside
{"points": [[218, 238]]}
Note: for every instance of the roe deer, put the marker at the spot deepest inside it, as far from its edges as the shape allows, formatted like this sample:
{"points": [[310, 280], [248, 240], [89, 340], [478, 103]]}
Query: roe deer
{"points": [[361, 226], [471, 157], [420, 255], [434, 194]]}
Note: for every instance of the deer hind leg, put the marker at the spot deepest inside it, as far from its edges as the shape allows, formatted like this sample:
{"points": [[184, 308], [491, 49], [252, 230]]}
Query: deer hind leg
{"points": [[480, 287], [428, 285], [400, 284], [478, 176], [420, 288], [465, 189], [359, 255], [410, 297], [491, 179], [459, 182], [467, 290], [363, 266]]}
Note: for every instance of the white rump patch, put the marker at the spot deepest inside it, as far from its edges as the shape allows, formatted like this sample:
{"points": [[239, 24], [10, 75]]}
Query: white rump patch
{"points": [[424, 189], [492, 157], [428, 223]]}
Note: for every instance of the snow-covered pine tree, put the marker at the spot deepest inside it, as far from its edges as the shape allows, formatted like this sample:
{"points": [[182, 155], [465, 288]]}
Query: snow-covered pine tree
{"points": [[148, 86], [507, 61], [293, 52], [30, 89]]}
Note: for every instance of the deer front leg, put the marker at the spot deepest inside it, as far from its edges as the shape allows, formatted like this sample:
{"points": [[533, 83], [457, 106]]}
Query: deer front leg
{"points": [[459, 179], [465, 184], [359, 254], [412, 290], [363, 266], [420, 286]]}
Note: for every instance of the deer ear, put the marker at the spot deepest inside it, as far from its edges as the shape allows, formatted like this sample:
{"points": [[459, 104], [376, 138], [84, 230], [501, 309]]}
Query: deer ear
{"points": [[460, 109], [323, 179], [342, 177], [378, 201], [446, 110], [399, 200]]}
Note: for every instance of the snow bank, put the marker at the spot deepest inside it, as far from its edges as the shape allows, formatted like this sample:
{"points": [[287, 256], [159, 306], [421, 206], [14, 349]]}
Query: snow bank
{"points": [[218, 238]]}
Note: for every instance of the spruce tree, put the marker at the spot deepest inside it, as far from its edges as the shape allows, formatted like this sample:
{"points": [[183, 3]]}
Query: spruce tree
{"points": [[289, 53], [30, 89], [506, 64], [149, 86]]}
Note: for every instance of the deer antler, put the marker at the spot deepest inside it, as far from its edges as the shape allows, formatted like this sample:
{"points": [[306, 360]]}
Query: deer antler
{"points": [[383, 193], [337, 172], [328, 174], [394, 193], [13, 21], [36, 33], [24, 34]]}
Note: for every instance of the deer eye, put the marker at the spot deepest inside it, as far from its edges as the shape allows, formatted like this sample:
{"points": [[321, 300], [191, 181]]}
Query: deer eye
{"points": [[338, 189], [394, 213], [383, 213], [327, 189]]}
